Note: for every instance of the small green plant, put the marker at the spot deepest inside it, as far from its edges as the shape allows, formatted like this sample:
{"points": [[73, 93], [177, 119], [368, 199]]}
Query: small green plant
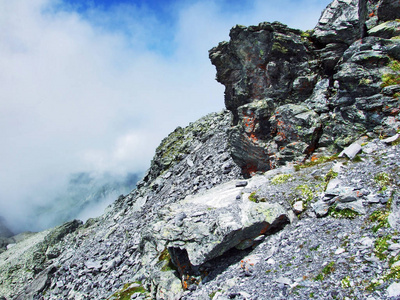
{"points": [[381, 246], [328, 269], [281, 178], [330, 175], [166, 257], [389, 79], [346, 213], [316, 161], [306, 193], [314, 248], [212, 294], [279, 48], [381, 217], [383, 180], [365, 81], [319, 277], [128, 290], [346, 282], [253, 197]]}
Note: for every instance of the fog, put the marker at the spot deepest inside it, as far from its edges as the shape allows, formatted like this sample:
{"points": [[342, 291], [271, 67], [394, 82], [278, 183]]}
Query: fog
{"points": [[95, 88]]}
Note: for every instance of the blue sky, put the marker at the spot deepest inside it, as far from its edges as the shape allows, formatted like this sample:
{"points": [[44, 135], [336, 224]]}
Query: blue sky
{"points": [[96, 87]]}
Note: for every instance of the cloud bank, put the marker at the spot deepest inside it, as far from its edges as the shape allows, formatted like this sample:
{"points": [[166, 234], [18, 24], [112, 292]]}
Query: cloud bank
{"points": [[96, 89]]}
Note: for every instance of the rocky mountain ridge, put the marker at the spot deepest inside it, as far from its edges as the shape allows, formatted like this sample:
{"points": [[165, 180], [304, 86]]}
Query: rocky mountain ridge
{"points": [[293, 193]]}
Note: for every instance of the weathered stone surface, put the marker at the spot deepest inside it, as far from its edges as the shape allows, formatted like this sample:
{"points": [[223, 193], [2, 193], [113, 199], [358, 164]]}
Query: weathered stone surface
{"points": [[264, 61], [338, 23], [388, 10], [223, 223], [386, 30], [351, 151], [341, 84], [194, 228]]}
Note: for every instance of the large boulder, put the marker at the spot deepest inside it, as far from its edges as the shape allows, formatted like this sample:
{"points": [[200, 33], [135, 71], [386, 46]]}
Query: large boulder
{"points": [[270, 60], [206, 226]]}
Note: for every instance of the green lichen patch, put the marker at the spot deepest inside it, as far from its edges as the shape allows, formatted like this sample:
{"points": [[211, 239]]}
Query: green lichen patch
{"points": [[166, 257], [381, 246], [345, 282], [281, 178], [381, 218], [328, 269], [277, 47], [393, 77], [383, 179], [316, 161], [342, 213], [330, 175], [128, 290]]}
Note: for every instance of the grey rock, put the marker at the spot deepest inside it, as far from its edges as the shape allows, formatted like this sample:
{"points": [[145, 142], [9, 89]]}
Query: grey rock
{"points": [[394, 290], [388, 10], [321, 208], [391, 139], [226, 222], [338, 23], [241, 183], [356, 206], [386, 30], [351, 151]]}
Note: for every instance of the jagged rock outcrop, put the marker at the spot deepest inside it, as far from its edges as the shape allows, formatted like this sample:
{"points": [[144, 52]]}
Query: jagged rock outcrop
{"points": [[334, 75], [313, 225]]}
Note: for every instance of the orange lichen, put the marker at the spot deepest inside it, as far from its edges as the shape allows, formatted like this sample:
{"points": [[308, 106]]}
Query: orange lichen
{"points": [[265, 229], [250, 169]]}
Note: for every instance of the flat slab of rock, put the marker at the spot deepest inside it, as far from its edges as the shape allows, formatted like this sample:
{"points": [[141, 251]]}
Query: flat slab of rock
{"points": [[351, 151], [225, 222]]}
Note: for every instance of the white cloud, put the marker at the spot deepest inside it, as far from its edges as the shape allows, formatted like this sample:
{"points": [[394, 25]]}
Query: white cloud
{"points": [[97, 92]]}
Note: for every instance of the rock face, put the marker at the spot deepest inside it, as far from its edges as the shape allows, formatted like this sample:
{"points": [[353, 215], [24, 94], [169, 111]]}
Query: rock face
{"points": [[332, 81], [206, 223]]}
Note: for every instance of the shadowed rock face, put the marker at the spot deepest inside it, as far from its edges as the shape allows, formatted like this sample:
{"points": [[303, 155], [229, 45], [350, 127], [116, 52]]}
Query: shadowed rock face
{"points": [[279, 81]]}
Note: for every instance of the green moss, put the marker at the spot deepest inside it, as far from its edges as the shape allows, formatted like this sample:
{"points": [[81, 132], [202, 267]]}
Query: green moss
{"points": [[389, 79], [279, 48], [128, 290], [316, 162], [381, 217], [383, 179], [281, 178], [345, 282], [381, 246], [330, 175], [342, 213], [166, 257], [253, 197], [328, 269], [307, 194]]}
